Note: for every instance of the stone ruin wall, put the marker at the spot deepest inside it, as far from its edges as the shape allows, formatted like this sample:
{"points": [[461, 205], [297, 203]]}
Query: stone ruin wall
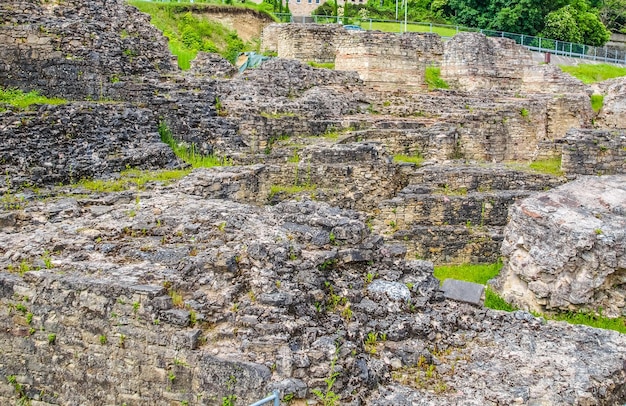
{"points": [[594, 152], [389, 60], [104, 335], [469, 61], [79, 49], [299, 41]]}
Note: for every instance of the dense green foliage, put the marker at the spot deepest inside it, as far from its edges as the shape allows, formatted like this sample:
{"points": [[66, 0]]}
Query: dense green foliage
{"points": [[19, 99], [482, 273], [189, 33], [579, 21], [590, 73]]}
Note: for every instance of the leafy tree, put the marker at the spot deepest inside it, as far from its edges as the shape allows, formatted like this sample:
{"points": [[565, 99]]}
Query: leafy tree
{"points": [[575, 25], [612, 13]]}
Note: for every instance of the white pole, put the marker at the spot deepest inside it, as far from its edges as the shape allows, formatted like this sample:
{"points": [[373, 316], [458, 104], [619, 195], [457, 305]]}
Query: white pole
{"points": [[406, 8], [396, 10]]}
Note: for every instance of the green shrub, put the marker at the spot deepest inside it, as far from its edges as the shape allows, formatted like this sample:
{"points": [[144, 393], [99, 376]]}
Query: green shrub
{"points": [[188, 34]]}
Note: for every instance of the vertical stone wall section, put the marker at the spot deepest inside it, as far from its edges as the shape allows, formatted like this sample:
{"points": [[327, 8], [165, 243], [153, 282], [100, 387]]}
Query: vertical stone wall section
{"points": [[389, 59]]}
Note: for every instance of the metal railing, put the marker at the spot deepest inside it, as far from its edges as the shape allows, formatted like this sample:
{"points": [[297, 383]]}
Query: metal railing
{"points": [[539, 44], [275, 397]]}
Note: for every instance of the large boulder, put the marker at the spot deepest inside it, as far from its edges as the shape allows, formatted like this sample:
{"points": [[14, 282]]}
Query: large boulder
{"points": [[565, 249]]}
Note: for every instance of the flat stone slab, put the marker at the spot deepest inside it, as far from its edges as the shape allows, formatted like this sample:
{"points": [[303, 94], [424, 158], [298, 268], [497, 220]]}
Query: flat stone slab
{"points": [[462, 291]]}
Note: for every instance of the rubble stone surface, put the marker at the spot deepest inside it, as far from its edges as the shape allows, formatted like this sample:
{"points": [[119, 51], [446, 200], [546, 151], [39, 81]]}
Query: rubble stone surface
{"points": [[565, 249]]}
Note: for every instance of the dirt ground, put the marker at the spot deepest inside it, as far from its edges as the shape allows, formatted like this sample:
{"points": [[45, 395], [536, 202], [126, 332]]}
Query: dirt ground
{"points": [[248, 24]]}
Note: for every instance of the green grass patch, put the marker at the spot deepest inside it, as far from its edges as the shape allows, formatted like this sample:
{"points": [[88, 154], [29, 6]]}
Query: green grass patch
{"points": [[477, 273], [550, 166], [21, 100], [291, 189], [133, 178], [414, 159], [432, 79], [188, 153], [189, 32], [327, 65], [597, 101], [590, 73], [598, 321]]}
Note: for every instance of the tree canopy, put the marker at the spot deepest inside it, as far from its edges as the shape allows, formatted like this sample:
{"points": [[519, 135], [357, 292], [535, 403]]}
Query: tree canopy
{"points": [[579, 21]]}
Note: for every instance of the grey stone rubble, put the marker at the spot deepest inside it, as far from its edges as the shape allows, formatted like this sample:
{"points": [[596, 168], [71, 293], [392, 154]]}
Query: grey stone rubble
{"points": [[201, 290]]}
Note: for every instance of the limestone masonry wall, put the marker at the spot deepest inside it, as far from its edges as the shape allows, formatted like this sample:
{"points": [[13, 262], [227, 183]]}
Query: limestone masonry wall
{"points": [[594, 152], [384, 59]]}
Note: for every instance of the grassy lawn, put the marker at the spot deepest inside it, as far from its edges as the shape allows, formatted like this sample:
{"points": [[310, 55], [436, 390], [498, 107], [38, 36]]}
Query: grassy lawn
{"points": [[399, 27], [482, 273], [590, 73]]}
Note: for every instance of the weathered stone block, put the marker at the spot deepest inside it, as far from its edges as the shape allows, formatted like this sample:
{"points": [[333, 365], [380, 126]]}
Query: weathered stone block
{"points": [[566, 249], [462, 291]]}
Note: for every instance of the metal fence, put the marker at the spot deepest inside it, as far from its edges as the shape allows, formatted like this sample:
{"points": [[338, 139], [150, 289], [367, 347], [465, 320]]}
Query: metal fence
{"points": [[546, 45], [274, 398]]}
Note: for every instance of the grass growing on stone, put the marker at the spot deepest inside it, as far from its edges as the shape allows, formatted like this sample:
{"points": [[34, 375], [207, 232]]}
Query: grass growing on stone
{"points": [[590, 73], [597, 101], [482, 273], [477, 273], [414, 159], [21, 100], [328, 65], [188, 153], [617, 324], [551, 166], [132, 178], [432, 79]]}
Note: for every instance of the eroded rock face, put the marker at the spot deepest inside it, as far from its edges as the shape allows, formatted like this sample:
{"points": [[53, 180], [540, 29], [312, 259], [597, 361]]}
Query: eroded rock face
{"points": [[566, 249]]}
